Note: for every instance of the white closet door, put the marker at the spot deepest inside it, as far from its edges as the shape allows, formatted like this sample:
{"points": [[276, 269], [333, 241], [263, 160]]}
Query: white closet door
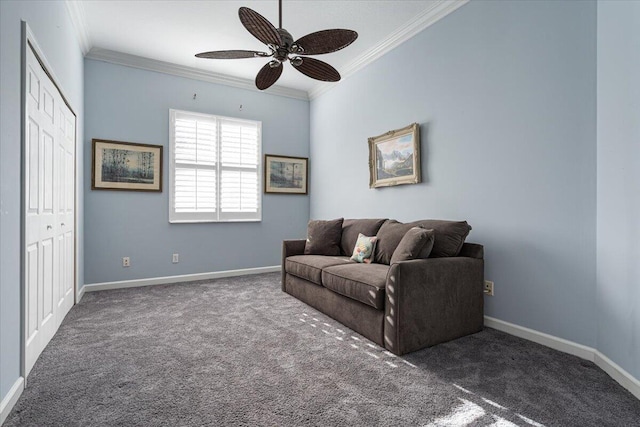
{"points": [[49, 209], [65, 235]]}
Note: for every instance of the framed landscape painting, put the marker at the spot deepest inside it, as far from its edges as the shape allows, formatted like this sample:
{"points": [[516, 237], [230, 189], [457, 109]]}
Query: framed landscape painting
{"points": [[121, 165], [285, 175], [394, 157]]}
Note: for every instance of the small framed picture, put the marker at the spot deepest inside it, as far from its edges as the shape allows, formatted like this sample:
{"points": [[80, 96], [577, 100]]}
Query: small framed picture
{"points": [[285, 174], [394, 157], [121, 165]]}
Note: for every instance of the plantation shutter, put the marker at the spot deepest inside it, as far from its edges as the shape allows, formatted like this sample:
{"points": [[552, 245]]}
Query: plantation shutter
{"points": [[214, 168], [239, 189]]}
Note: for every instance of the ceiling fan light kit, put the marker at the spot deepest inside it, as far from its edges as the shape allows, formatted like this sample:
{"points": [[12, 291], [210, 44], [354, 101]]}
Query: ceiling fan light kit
{"points": [[283, 48]]}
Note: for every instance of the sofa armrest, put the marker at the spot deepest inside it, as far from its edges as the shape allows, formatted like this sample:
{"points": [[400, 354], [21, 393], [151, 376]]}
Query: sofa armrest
{"points": [[429, 301], [290, 248]]}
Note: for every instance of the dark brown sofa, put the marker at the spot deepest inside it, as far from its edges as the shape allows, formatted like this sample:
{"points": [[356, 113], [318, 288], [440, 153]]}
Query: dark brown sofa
{"points": [[402, 307]]}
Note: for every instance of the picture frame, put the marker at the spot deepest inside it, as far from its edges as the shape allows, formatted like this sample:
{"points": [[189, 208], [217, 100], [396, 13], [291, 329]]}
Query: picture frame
{"points": [[394, 157], [286, 174], [126, 166]]}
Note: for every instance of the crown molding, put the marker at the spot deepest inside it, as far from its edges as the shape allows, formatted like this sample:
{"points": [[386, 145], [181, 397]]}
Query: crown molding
{"points": [[430, 16], [433, 14], [149, 64], [79, 20]]}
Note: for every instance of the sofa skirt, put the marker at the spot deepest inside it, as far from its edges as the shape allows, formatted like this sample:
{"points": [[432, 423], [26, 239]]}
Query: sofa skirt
{"points": [[364, 319]]}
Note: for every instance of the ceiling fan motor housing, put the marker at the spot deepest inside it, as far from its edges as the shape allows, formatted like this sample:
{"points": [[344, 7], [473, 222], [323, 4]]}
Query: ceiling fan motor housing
{"points": [[282, 51]]}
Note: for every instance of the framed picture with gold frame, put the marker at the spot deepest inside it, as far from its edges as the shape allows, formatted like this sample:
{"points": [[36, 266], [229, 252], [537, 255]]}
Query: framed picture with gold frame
{"points": [[394, 157]]}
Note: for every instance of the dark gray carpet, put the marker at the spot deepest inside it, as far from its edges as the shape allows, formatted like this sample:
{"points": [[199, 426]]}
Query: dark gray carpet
{"points": [[239, 351]]}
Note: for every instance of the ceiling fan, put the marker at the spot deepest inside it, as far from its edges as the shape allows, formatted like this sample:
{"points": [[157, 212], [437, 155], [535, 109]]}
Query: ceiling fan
{"points": [[283, 48]]}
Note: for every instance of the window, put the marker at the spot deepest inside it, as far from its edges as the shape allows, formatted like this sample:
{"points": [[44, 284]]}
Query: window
{"points": [[214, 168]]}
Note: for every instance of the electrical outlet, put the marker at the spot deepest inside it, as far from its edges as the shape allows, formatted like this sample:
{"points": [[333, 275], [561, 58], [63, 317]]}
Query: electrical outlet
{"points": [[176, 258], [126, 261], [488, 288]]}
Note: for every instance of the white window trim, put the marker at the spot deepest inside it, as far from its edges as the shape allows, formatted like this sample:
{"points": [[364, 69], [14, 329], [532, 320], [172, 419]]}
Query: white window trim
{"points": [[218, 215]]}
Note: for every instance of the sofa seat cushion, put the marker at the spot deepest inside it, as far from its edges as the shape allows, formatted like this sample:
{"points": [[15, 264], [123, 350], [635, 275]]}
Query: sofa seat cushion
{"points": [[361, 282], [309, 267]]}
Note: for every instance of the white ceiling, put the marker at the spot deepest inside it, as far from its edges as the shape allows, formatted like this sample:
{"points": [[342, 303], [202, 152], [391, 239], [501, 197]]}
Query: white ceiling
{"points": [[174, 31]]}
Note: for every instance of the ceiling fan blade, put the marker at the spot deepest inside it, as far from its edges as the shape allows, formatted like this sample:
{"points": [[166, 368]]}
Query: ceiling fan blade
{"points": [[232, 54], [259, 27], [268, 75], [316, 69], [326, 41]]}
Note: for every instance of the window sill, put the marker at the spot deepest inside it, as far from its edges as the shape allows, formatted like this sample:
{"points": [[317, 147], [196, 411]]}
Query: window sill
{"points": [[198, 221]]}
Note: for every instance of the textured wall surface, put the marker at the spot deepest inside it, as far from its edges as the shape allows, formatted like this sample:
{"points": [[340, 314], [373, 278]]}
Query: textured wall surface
{"points": [[50, 23], [505, 96], [128, 104], [618, 293]]}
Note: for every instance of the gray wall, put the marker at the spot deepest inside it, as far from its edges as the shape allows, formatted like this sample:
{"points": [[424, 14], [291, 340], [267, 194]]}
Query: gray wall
{"points": [[129, 104], [54, 32], [505, 95], [618, 280]]}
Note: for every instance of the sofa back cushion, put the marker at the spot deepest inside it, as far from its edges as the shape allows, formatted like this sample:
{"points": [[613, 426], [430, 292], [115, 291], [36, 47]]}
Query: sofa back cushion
{"points": [[351, 228], [323, 237], [448, 237]]}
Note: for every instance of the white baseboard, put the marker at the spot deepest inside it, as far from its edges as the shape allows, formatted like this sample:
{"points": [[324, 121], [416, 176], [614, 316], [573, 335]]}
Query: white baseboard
{"points": [[80, 294], [616, 372], [92, 287], [565, 346], [10, 399]]}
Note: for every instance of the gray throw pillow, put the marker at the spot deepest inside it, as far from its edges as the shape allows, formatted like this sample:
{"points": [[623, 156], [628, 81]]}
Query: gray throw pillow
{"points": [[449, 237], [323, 237], [389, 237], [416, 244]]}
